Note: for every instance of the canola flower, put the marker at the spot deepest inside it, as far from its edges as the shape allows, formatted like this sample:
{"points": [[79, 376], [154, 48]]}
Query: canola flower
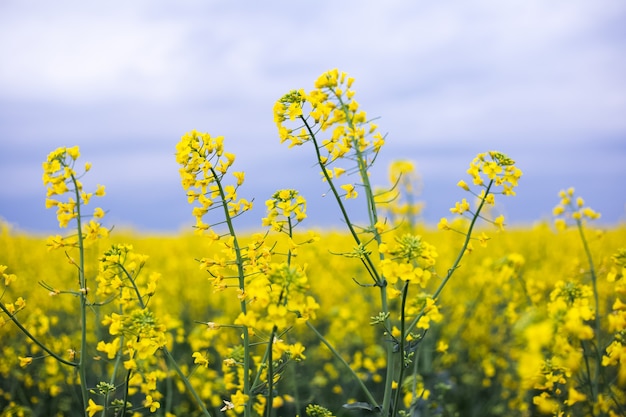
{"points": [[398, 202], [492, 173], [272, 296], [204, 164], [494, 320], [262, 333], [61, 178], [346, 142]]}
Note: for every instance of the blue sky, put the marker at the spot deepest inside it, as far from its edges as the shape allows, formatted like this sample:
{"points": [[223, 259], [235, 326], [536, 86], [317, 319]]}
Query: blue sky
{"points": [[540, 80]]}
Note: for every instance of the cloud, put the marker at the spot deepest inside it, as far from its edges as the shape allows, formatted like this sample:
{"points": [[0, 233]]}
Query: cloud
{"points": [[124, 80]]}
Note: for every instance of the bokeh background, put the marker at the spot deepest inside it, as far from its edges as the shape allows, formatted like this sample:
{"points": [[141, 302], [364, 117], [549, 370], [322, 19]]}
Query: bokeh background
{"points": [[544, 81]]}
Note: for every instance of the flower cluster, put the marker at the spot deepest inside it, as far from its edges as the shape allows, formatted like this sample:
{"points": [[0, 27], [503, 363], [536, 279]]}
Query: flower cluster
{"points": [[572, 208], [554, 356], [398, 201], [10, 308], [283, 209], [411, 259], [494, 173], [204, 164], [119, 270], [277, 297], [136, 332], [7, 278], [60, 177], [615, 355], [334, 122]]}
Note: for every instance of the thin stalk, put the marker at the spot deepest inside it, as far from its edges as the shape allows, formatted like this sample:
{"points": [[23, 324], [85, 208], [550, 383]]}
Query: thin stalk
{"points": [[457, 261], [390, 355], [270, 374], [33, 338], [188, 385], [396, 406], [592, 272], [82, 282], [367, 261], [241, 274], [126, 386], [373, 217], [367, 392]]}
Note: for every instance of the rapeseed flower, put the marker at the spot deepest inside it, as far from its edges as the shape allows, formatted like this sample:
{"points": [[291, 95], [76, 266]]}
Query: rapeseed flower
{"points": [[60, 177], [572, 209], [493, 173], [204, 164], [93, 408]]}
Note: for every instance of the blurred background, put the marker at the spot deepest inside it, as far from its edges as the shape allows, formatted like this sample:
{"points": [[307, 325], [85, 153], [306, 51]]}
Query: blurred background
{"points": [[541, 81]]}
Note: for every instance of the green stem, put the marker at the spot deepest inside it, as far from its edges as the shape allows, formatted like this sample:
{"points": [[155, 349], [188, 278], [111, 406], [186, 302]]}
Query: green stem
{"points": [[33, 338], [396, 406], [362, 164], [142, 305], [373, 217], [188, 385], [126, 388], [367, 392], [592, 271], [369, 265], [82, 282], [242, 286], [270, 374], [457, 261]]}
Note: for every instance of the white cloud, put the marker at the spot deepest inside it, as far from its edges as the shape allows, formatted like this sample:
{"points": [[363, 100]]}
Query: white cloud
{"points": [[130, 77]]}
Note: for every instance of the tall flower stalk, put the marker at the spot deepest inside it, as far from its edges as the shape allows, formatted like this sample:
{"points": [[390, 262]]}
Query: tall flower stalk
{"points": [[346, 142]]}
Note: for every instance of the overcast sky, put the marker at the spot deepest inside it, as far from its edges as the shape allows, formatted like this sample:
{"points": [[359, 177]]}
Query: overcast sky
{"points": [[543, 81]]}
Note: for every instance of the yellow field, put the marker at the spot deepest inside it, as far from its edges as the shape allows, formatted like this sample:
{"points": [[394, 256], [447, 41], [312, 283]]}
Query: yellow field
{"points": [[388, 318], [493, 311]]}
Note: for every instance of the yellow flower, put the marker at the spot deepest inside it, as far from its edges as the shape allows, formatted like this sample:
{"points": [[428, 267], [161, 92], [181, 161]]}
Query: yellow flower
{"points": [[574, 396], [240, 175], [460, 207], [73, 152], [238, 400], [463, 185], [443, 224], [151, 404], [499, 221], [98, 213], [200, 359], [24, 362], [93, 408], [350, 191], [296, 351]]}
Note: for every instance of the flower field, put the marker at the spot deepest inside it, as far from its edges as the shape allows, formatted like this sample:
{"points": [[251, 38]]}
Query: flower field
{"points": [[387, 318]]}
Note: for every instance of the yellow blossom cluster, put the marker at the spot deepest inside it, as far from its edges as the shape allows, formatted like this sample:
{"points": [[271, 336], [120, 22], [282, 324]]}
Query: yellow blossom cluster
{"points": [[494, 173], [277, 300], [410, 259], [272, 296], [572, 208], [330, 117], [284, 208], [60, 177], [119, 268], [615, 355], [554, 355], [9, 308], [136, 333], [7, 278], [204, 163], [398, 201]]}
